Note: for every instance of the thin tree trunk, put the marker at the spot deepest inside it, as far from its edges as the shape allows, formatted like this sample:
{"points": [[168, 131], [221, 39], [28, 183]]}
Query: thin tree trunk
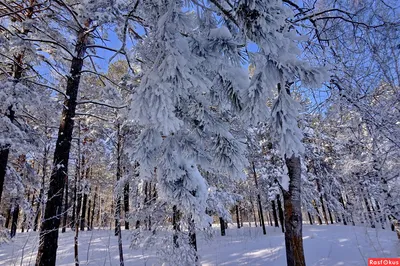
{"points": [[222, 226], [310, 218], [175, 225], [14, 222], [85, 201], [126, 205], [66, 206], [270, 219], [274, 213], [77, 197], [4, 152], [48, 245], [192, 236], [253, 211], [89, 212], [280, 213], [293, 215], [260, 210], [237, 216]]}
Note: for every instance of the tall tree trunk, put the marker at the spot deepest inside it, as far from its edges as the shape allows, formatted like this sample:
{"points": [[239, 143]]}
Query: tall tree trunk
{"points": [[222, 226], [4, 151], [260, 210], [341, 200], [89, 212], [14, 222], [293, 216], [280, 212], [85, 200], [126, 205], [48, 245], [40, 205], [66, 206], [237, 216], [118, 198], [274, 213]]}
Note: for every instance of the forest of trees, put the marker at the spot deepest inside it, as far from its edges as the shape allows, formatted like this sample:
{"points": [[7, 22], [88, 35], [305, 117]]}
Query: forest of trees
{"points": [[162, 117]]}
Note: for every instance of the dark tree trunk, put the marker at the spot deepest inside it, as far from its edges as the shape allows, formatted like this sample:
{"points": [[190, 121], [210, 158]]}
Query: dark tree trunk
{"points": [[14, 222], [118, 201], [237, 216], [280, 212], [48, 245], [66, 206], [118, 196], [310, 218], [344, 207], [274, 213], [4, 151], [222, 226], [330, 215], [175, 225], [293, 216], [89, 212], [192, 236], [126, 205], [260, 210]]}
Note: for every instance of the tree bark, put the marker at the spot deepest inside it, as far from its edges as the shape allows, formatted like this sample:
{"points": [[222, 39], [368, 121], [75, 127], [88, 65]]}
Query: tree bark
{"points": [[259, 201], [126, 205], [293, 216], [222, 226], [310, 218], [48, 245], [175, 225], [14, 222], [192, 237], [66, 206], [4, 151], [280, 212], [275, 216], [237, 216], [85, 200]]}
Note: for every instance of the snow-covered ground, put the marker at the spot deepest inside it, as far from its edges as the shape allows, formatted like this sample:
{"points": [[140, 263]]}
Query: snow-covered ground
{"points": [[324, 245]]}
